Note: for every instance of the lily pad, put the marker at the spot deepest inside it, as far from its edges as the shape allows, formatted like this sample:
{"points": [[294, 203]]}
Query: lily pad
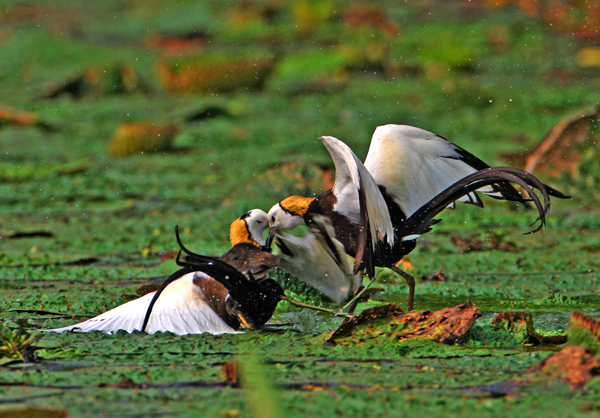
{"points": [[521, 325]]}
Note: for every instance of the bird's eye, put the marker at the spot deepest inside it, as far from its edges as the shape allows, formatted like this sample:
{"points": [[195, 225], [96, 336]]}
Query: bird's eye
{"points": [[258, 222], [272, 218]]}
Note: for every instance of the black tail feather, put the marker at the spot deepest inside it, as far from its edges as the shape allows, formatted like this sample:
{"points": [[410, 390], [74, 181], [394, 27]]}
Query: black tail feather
{"points": [[255, 300], [556, 193], [190, 256], [422, 220], [179, 273], [364, 254], [233, 280], [225, 274]]}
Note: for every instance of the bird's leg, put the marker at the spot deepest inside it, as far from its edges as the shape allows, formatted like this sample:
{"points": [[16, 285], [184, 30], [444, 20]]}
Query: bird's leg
{"points": [[410, 281], [333, 312], [354, 302]]}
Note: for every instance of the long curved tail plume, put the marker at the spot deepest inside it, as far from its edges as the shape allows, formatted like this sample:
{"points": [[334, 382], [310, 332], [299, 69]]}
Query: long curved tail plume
{"points": [[179, 273], [189, 256], [255, 301], [422, 220], [234, 281], [187, 268], [258, 299]]}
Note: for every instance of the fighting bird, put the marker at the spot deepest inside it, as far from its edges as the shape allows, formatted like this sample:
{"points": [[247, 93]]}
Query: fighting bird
{"points": [[213, 296], [319, 259], [378, 209], [218, 295]]}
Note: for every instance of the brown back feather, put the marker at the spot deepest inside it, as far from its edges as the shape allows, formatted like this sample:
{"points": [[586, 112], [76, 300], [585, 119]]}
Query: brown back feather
{"points": [[247, 258]]}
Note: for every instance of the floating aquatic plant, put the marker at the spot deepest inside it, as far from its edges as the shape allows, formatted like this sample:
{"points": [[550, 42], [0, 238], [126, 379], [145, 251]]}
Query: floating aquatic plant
{"points": [[217, 73], [97, 81], [139, 137], [584, 331], [520, 324], [387, 324], [16, 343]]}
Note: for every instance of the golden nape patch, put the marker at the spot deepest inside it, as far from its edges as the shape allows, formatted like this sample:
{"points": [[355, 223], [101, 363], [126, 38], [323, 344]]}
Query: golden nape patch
{"points": [[238, 233], [296, 205]]}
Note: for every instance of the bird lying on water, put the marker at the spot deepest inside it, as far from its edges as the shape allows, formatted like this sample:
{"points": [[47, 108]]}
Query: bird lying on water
{"points": [[217, 295], [407, 173], [317, 258], [214, 298]]}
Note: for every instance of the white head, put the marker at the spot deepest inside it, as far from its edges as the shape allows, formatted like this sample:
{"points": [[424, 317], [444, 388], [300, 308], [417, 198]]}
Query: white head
{"points": [[280, 219], [249, 228], [287, 214]]}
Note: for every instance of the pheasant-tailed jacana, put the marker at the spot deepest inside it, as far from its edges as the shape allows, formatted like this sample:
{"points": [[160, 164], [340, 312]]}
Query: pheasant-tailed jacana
{"points": [[214, 296], [406, 169]]}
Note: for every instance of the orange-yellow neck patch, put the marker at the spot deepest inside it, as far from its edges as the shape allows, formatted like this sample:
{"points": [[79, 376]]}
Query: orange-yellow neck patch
{"points": [[296, 205], [239, 233]]}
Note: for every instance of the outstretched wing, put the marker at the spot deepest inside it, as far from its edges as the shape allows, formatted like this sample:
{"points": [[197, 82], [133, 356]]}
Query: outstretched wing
{"points": [[180, 309], [415, 165], [319, 259], [351, 178]]}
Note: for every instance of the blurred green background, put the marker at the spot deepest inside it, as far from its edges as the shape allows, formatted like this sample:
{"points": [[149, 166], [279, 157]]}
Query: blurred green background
{"points": [[239, 90], [121, 119]]}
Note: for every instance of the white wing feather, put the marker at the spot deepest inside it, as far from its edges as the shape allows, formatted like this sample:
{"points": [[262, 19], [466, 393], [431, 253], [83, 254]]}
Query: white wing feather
{"points": [[180, 309], [314, 262], [415, 165], [350, 176]]}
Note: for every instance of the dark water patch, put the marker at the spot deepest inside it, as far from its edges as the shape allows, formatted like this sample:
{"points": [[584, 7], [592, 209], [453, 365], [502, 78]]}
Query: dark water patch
{"points": [[29, 234]]}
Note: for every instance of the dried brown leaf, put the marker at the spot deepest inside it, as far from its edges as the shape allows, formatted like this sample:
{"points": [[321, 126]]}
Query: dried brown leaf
{"points": [[9, 116], [230, 372], [448, 325], [438, 276], [573, 365], [559, 150]]}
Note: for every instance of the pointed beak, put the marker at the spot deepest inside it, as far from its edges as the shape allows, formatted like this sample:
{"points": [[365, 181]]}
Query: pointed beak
{"points": [[270, 238], [244, 321]]}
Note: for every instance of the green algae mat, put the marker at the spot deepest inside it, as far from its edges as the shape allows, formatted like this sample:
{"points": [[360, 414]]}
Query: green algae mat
{"points": [[108, 140]]}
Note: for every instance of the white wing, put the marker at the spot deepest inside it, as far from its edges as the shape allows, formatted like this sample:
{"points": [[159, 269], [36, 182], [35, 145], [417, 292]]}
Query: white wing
{"points": [[415, 165], [180, 309], [350, 176], [319, 260]]}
